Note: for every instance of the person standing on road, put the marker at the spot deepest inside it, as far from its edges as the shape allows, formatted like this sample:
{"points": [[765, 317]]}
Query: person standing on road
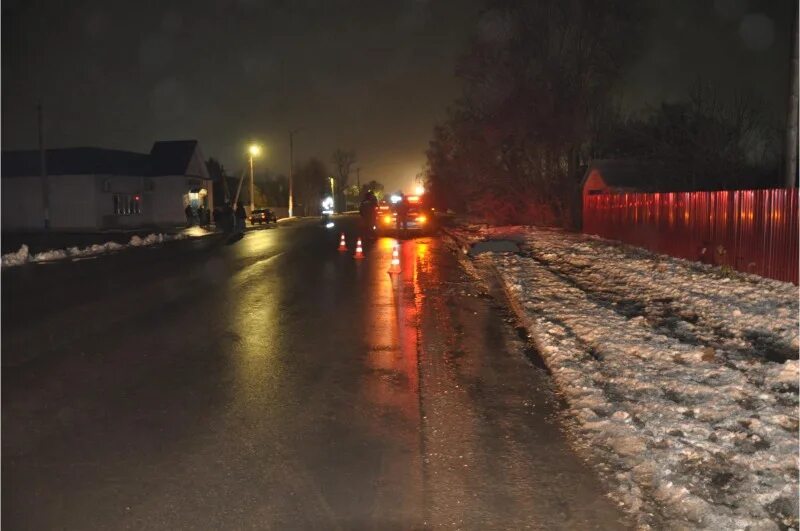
{"points": [[402, 213], [241, 216], [189, 215], [226, 217], [368, 208]]}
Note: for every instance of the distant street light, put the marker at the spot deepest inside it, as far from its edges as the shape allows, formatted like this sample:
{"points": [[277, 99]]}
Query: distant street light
{"points": [[254, 150]]}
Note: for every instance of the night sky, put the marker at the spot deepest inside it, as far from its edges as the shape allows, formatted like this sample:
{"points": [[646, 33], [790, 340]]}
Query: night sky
{"points": [[372, 75]]}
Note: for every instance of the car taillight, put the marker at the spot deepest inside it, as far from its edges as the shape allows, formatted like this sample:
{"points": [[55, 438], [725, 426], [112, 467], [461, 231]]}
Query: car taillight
{"points": [[421, 219]]}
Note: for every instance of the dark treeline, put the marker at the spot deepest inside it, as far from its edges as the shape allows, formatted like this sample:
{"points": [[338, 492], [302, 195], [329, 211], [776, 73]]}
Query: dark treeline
{"points": [[715, 140], [538, 104]]}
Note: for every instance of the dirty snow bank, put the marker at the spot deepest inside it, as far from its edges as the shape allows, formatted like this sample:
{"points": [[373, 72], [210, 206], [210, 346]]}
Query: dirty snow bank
{"points": [[23, 256], [682, 380]]}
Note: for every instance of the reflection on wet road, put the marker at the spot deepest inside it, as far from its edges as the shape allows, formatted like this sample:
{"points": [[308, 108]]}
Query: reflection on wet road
{"points": [[278, 384]]}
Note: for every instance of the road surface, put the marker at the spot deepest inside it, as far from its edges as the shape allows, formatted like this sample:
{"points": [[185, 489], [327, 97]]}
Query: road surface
{"points": [[276, 383]]}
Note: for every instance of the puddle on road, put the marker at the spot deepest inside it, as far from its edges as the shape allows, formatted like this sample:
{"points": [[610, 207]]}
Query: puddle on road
{"points": [[493, 246]]}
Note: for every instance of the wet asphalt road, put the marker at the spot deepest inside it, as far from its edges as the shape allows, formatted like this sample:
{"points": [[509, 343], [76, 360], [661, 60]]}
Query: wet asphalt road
{"points": [[277, 384]]}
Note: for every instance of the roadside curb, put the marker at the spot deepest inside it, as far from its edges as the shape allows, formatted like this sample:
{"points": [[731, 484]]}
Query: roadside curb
{"points": [[463, 245], [511, 301]]}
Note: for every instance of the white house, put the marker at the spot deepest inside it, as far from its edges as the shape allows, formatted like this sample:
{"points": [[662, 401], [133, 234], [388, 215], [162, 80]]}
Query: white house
{"points": [[94, 188]]}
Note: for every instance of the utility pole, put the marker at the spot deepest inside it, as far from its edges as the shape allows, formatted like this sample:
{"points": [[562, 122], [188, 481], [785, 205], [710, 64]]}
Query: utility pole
{"points": [[791, 126], [238, 190], [252, 187], [254, 150], [225, 187], [291, 171], [43, 168]]}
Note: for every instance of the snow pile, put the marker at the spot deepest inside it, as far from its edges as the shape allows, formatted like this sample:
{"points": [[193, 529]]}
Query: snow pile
{"points": [[48, 256], [683, 380], [150, 239], [23, 256], [18, 258], [95, 249]]}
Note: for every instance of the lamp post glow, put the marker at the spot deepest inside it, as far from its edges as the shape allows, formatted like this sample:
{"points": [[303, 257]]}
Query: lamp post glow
{"points": [[254, 150]]}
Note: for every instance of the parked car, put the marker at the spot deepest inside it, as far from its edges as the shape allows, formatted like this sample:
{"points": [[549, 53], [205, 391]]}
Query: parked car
{"points": [[262, 215]]}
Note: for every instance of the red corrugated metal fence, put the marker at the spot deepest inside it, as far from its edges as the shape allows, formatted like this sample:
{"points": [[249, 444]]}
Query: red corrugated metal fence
{"points": [[755, 231]]}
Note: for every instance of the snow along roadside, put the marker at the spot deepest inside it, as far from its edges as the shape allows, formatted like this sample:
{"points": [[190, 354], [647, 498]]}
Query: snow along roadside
{"points": [[23, 256], [697, 426]]}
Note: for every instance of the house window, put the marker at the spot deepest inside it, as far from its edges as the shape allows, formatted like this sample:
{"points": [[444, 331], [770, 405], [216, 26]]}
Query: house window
{"points": [[127, 204]]}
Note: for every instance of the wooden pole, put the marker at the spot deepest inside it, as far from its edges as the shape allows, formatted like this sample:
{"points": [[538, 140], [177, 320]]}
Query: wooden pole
{"points": [[43, 168], [791, 126]]}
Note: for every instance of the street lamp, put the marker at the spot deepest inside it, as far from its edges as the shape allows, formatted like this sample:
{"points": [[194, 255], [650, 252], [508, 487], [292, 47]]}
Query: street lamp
{"points": [[254, 150]]}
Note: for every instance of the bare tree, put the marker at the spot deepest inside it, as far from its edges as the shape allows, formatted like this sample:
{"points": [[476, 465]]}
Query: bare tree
{"points": [[375, 186], [311, 181], [534, 79], [343, 161], [716, 139]]}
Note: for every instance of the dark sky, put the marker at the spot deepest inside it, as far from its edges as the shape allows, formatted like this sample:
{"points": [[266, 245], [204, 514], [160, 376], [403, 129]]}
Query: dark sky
{"points": [[371, 75], [735, 44]]}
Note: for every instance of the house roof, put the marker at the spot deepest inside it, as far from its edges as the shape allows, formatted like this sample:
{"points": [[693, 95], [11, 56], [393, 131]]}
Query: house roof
{"points": [[172, 157], [629, 174], [165, 158], [75, 161]]}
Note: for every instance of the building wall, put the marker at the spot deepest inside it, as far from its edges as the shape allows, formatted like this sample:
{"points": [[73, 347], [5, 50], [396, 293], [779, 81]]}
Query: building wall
{"points": [[73, 203], [162, 199], [594, 184], [22, 203], [107, 186], [170, 197], [281, 211], [86, 202]]}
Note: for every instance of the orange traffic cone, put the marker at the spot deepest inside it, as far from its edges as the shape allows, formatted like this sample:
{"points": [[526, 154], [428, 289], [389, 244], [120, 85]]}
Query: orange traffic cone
{"points": [[342, 244], [395, 267], [359, 250]]}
